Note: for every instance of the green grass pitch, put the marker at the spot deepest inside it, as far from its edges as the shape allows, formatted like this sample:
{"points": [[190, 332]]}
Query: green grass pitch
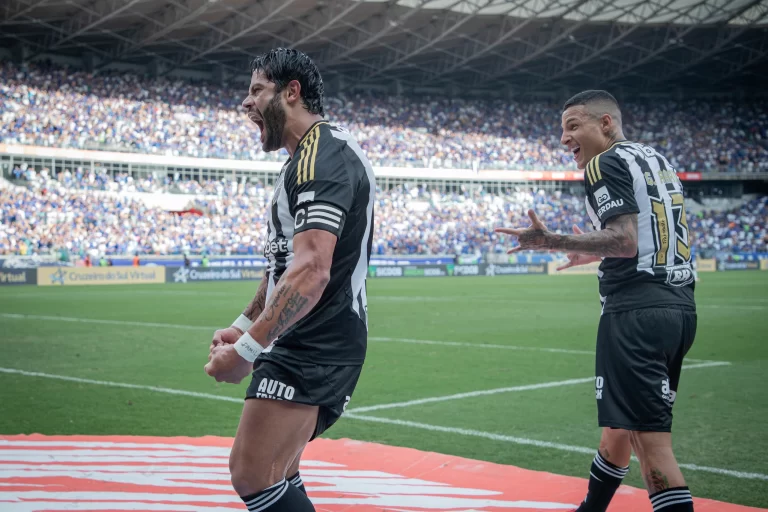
{"points": [[720, 415]]}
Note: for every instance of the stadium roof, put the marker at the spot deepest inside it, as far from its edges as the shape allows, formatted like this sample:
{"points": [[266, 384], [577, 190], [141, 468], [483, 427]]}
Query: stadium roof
{"points": [[462, 45]]}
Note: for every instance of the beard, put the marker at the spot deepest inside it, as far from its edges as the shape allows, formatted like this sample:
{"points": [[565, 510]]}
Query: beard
{"points": [[274, 124]]}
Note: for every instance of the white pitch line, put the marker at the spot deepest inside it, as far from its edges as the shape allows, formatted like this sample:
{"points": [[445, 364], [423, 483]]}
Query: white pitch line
{"points": [[528, 387], [122, 385], [482, 345], [434, 428], [17, 316], [539, 444]]}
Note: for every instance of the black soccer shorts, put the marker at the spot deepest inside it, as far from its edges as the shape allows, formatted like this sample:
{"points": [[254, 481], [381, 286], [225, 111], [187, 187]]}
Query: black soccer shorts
{"points": [[328, 387], [638, 361]]}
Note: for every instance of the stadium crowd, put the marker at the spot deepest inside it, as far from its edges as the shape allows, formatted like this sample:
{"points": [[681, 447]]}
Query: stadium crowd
{"points": [[72, 213], [42, 104]]}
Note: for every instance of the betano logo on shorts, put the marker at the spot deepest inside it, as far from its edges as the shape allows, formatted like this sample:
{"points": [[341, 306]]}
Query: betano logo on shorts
{"points": [[668, 394]]}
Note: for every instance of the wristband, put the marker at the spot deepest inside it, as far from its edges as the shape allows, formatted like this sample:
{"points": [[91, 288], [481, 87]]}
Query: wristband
{"points": [[248, 348], [243, 323]]}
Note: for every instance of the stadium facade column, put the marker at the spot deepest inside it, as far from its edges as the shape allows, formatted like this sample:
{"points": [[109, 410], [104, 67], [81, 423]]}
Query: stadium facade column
{"points": [[89, 62], [396, 88], [20, 53], [218, 74], [334, 84], [155, 68]]}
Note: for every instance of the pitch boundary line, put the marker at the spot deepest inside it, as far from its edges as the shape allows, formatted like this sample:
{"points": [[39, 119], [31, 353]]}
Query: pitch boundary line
{"points": [[528, 387], [19, 316], [742, 475]]}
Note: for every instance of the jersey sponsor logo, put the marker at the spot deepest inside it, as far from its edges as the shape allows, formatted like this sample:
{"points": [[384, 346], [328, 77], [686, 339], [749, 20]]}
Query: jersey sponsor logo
{"points": [[602, 195], [276, 246], [275, 390], [668, 394], [610, 206], [599, 384]]}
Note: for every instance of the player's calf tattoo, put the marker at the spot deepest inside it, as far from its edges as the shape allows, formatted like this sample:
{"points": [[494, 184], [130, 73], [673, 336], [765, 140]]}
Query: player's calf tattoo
{"points": [[656, 481]]}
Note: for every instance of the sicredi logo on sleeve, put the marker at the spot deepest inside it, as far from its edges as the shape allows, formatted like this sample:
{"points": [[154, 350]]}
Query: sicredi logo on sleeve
{"points": [[602, 195]]}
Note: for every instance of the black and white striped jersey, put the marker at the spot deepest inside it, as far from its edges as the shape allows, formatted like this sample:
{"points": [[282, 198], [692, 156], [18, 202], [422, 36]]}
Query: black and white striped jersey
{"points": [[328, 185], [634, 178]]}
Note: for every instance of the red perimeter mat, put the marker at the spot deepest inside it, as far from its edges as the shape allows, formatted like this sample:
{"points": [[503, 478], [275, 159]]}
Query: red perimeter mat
{"points": [[116, 473]]}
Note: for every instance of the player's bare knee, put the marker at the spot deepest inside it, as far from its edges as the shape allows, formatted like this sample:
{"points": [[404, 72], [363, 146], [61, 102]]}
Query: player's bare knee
{"points": [[613, 439], [652, 446], [249, 477]]}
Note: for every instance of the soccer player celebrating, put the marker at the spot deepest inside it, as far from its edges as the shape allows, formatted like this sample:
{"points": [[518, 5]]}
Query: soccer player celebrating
{"points": [[648, 321], [304, 335]]}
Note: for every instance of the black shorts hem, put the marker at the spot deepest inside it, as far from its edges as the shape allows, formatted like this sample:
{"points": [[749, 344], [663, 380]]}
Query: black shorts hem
{"points": [[635, 428]]}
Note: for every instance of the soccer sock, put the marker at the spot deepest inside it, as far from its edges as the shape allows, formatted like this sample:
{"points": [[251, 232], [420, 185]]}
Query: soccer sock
{"points": [[281, 497], [297, 482], [676, 499], [604, 479]]}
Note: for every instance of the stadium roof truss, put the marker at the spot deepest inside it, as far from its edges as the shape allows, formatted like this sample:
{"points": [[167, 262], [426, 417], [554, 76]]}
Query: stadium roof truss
{"points": [[507, 46]]}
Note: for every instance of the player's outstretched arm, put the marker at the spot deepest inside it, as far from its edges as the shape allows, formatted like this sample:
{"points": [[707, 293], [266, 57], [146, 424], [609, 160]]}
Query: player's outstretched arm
{"points": [[617, 240]]}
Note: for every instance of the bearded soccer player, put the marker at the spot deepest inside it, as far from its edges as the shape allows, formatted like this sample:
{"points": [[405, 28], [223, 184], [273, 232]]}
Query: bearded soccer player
{"points": [[303, 337], [648, 321]]}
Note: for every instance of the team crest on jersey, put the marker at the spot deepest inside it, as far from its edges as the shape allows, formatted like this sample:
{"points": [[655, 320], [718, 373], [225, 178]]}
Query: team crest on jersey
{"points": [[680, 276]]}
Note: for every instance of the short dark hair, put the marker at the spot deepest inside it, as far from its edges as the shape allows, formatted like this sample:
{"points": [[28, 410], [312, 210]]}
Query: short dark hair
{"points": [[281, 65], [591, 96]]}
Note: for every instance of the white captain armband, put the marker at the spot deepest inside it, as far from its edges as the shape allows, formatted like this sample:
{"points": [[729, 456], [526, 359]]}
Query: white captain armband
{"points": [[248, 348]]}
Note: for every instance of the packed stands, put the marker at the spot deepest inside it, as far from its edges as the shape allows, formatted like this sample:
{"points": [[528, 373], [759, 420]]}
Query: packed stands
{"points": [[46, 105], [86, 213]]}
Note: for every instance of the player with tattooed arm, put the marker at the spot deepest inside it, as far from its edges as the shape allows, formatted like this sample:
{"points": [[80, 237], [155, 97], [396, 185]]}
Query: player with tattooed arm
{"points": [[634, 200], [303, 337]]}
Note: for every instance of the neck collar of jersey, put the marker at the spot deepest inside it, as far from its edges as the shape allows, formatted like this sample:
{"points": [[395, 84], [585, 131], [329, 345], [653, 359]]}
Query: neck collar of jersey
{"points": [[306, 134]]}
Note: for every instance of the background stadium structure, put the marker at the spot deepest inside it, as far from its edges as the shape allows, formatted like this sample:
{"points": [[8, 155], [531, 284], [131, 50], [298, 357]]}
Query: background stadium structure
{"points": [[673, 47]]}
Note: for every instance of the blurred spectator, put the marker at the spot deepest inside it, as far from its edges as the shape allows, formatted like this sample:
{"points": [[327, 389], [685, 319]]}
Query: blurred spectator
{"points": [[52, 106], [51, 219]]}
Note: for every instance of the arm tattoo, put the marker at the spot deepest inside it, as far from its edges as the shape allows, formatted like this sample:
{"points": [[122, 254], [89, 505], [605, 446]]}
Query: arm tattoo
{"points": [[617, 240], [293, 305], [256, 306]]}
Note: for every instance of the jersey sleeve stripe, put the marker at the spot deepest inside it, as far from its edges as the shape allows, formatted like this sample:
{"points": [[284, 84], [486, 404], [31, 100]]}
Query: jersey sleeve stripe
{"points": [[596, 169], [322, 207], [300, 167], [306, 148], [589, 173], [313, 150]]}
